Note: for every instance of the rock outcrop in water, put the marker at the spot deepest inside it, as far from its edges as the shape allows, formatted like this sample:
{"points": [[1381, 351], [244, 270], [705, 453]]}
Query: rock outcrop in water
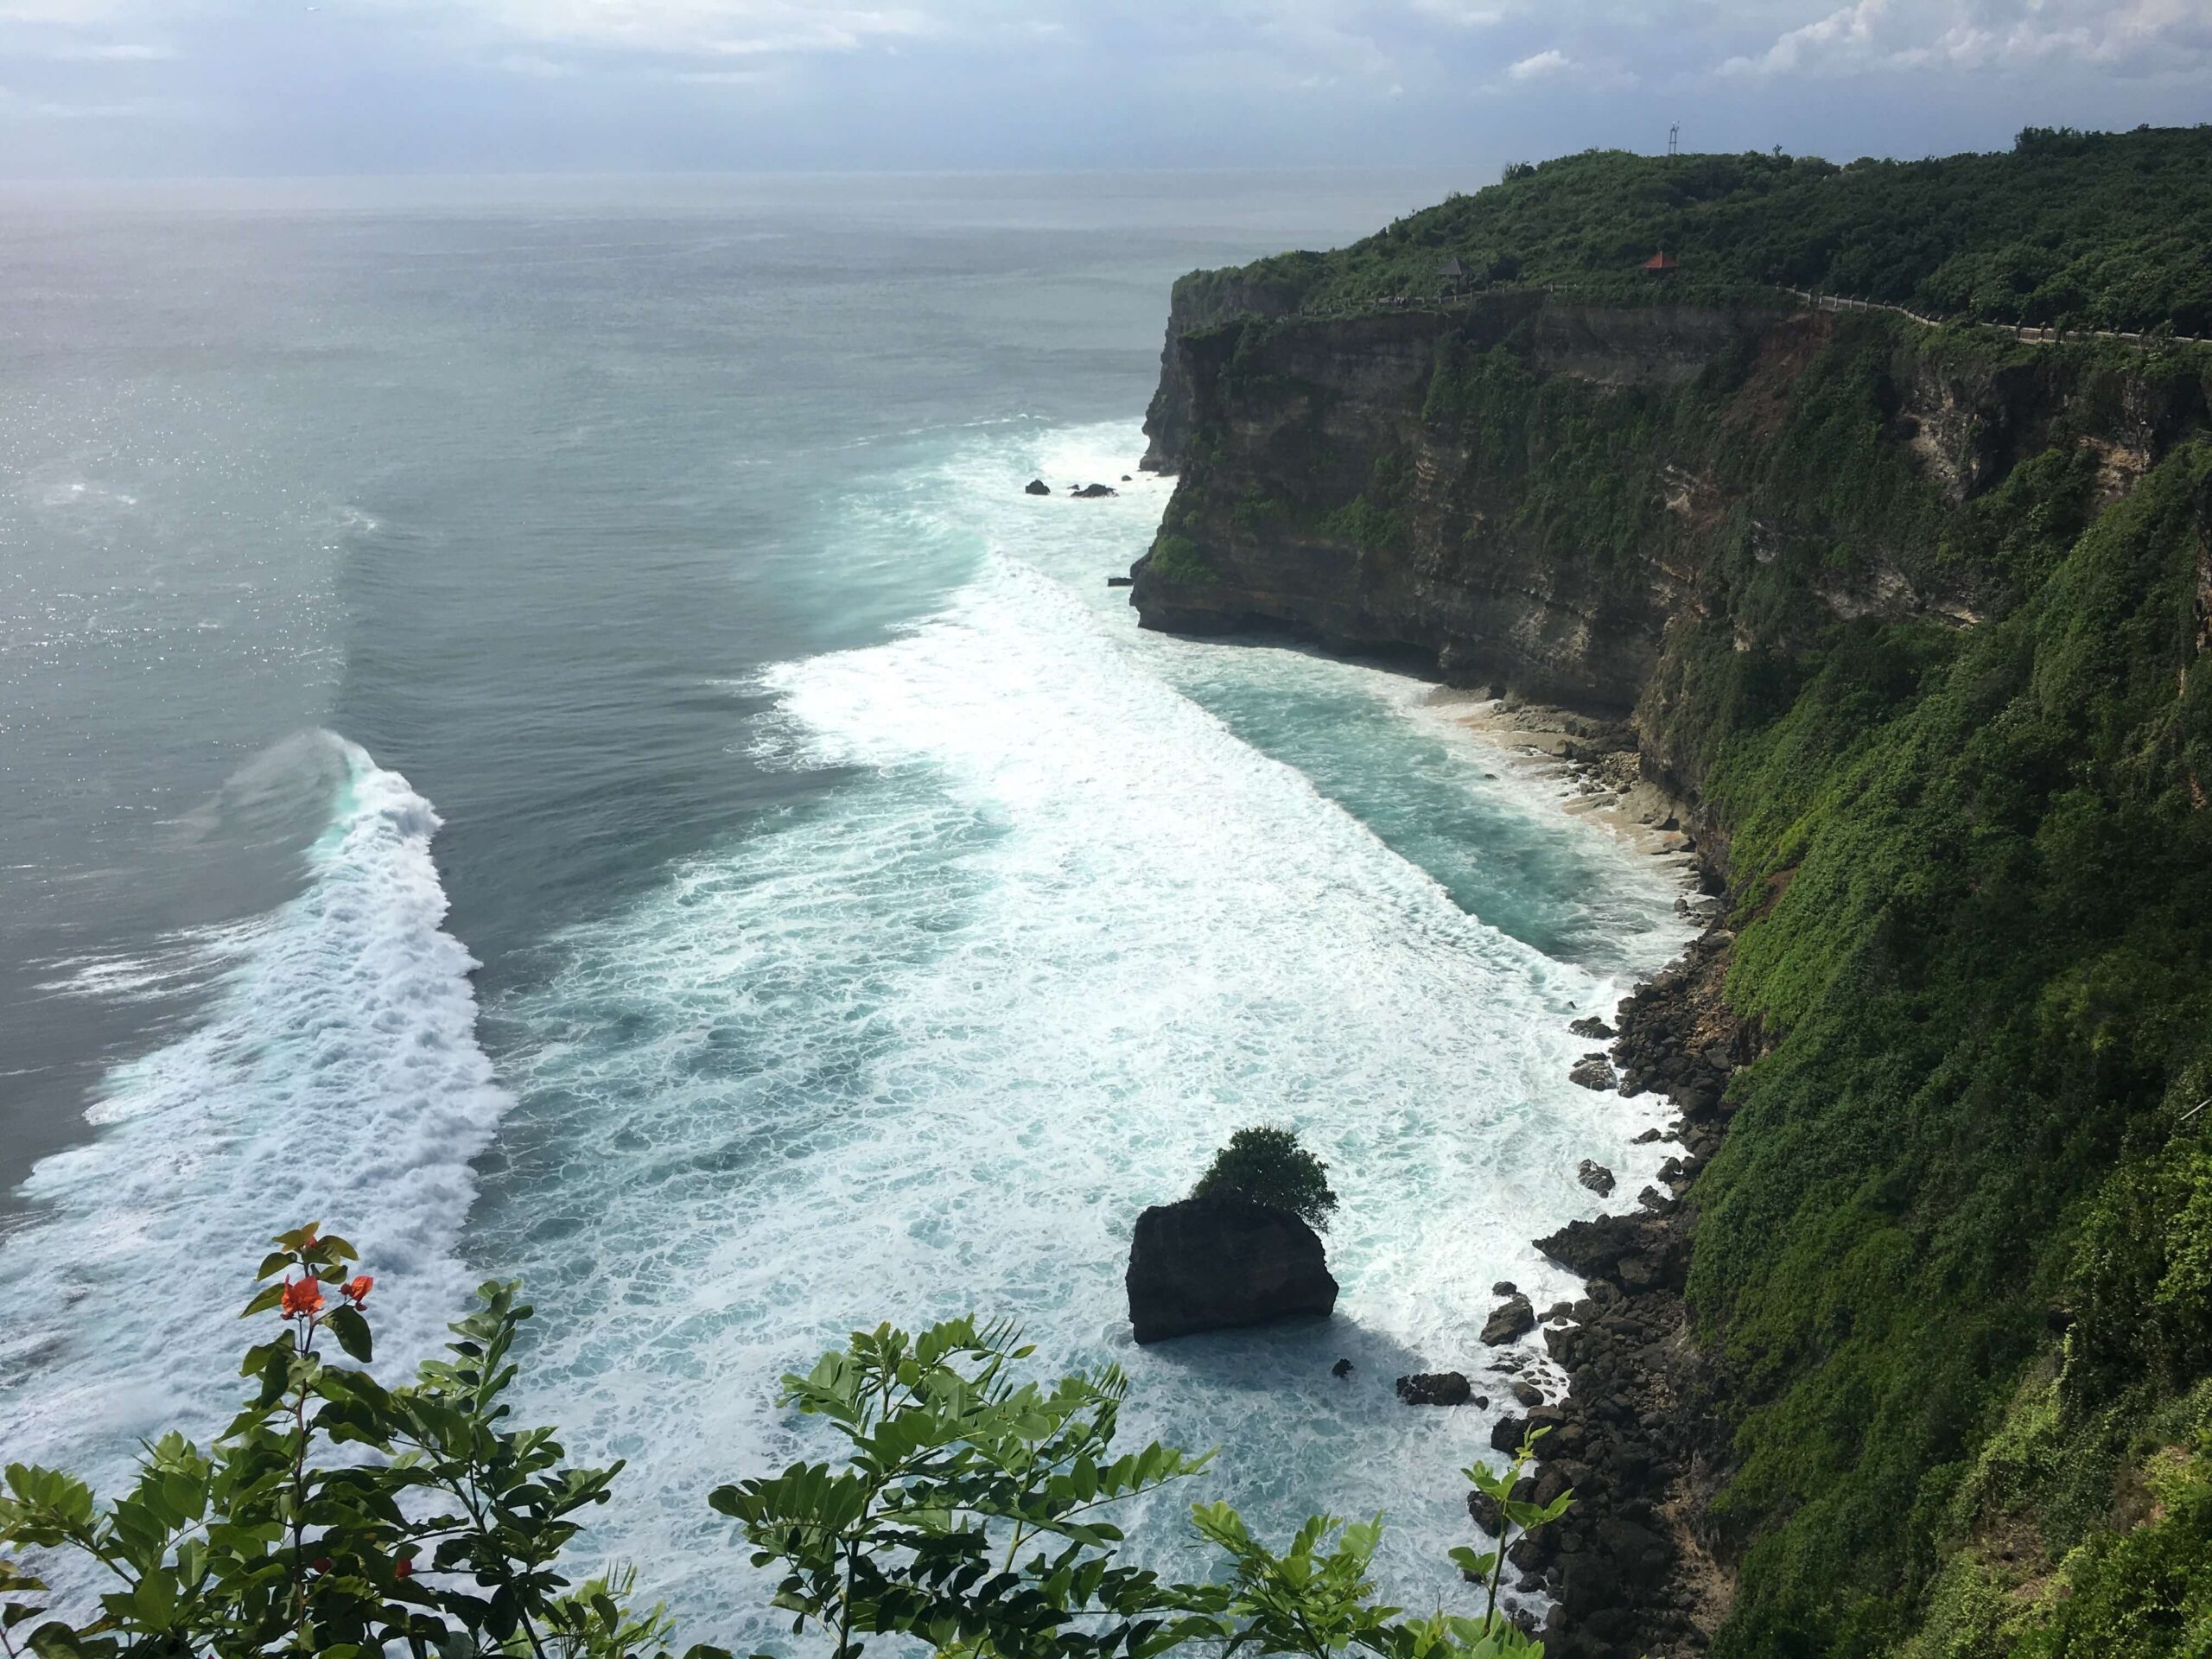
{"points": [[1215, 1263]]}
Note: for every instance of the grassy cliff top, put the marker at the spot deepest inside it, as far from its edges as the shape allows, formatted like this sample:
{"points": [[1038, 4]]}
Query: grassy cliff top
{"points": [[2079, 229]]}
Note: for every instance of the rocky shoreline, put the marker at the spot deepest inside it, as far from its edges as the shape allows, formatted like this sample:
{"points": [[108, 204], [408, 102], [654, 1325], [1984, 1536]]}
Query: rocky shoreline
{"points": [[1629, 1574], [1629, 1570]]}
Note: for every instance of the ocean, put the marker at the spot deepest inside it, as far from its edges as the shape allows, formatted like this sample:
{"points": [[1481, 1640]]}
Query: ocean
{"points": [[541, 730]]}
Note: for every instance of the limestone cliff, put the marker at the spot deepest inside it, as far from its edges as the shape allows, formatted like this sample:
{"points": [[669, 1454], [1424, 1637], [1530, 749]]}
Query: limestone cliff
{"points": [[1530, 494], [1915, 620]]}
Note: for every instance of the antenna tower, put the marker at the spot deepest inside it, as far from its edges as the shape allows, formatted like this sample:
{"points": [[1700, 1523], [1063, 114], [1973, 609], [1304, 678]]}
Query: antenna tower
{"points": [[1673, 141]]}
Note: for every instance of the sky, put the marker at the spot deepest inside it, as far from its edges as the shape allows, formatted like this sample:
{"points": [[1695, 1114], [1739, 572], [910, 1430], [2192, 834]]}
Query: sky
{"points": [[153, 89]]}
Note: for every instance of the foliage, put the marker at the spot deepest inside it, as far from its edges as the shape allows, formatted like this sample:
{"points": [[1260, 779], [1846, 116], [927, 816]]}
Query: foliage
{"points": [[2145, 1592], [1268, 1166], [2090, 229], [282, 1537], [1971, 865], [1178, 558], [971, 1512]]}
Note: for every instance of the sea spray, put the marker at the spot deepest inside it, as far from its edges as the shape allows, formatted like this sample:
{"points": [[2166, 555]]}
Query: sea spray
{"points": [[930, 1042], [335, 1077]]}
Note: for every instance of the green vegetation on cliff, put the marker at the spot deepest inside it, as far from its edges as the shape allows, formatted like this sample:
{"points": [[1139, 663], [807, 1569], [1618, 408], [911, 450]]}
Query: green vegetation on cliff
{"points": [[2084, 230], [1934, 660], [1974, 866]]}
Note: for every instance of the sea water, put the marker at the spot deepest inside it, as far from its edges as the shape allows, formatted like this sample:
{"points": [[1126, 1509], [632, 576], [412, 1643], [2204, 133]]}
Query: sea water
{"points": [[705, 841]]}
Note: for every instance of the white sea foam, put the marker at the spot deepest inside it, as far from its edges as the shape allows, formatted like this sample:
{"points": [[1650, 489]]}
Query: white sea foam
{"points": [[931, 1045], [335, 1077]]}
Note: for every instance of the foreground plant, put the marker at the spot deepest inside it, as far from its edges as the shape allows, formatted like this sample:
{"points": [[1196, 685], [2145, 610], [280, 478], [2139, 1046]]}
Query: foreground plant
{"points": [[334, 1516], [972, 1511]]}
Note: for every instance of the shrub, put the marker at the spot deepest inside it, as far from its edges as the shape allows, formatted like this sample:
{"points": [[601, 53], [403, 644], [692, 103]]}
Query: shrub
{"points": [[280, 1538], [1268, 1166], [972, 1512], [1178, 558]]}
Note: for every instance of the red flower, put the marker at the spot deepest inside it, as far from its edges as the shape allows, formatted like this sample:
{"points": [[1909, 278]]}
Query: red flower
{"points": [[403, 1567], [320, 1564], [356, 1290], [301, 1296]]}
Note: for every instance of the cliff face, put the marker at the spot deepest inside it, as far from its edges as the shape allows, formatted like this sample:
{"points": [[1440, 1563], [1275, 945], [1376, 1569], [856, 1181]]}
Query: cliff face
{"points": [[1917, 621], [1299, 528], [1201, 300], [1529, 494]]}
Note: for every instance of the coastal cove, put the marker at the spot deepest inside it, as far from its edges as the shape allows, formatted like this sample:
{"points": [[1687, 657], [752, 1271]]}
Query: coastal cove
{"points": [[847, 916], [1557, 921]]}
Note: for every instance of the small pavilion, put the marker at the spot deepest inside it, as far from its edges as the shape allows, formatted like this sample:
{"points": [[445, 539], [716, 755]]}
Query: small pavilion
{"points": [[1660, 264]]}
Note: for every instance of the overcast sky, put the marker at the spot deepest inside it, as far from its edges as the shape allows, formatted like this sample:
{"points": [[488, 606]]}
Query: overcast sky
{"points": [[158, 88]]}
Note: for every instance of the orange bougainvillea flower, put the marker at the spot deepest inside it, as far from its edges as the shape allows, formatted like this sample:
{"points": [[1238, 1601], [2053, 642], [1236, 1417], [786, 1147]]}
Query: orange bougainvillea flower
{"points": [[301, 1296], [356, 1290], [403, 1567]]}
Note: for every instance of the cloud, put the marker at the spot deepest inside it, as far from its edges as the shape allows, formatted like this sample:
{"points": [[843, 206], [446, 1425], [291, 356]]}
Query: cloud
{"points": [[1542, 66], [2171, 37], [702, 27]]}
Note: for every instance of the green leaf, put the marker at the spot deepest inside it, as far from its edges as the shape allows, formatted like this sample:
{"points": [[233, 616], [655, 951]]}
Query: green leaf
{"points": [[351, 1331]]}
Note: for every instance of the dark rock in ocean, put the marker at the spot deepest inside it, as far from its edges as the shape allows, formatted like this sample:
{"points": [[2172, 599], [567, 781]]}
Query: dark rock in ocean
{"points": [[1119, 582], [1596, 1177], [1594, 1071], [1528, 1393], [1649, 1136], [1592, 1026], [1513, 1318], [1092, 492], [1210, 1263], [1482, 1402], [1341, 1368], [1505, 1434], [1652, 1199], [1435, 1388], [1125, 478], [1036, 486], [1559, 1311], [1505, 1287]]}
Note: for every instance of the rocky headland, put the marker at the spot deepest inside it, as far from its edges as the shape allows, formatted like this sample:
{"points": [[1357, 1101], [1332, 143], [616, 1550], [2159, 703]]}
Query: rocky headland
{"points": [[1692, 552]]}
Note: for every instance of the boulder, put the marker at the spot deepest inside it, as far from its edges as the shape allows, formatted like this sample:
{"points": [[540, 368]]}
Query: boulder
{"points": [[1504, 1287], [1092, 492], [1341, 1368], [1515, 1317], [1596, 1177], [1036, 486], [1528, 1393], [1591, 1026], [1594, 1071], [1483, 1510], [1435, 1388], [1212, 1263]]}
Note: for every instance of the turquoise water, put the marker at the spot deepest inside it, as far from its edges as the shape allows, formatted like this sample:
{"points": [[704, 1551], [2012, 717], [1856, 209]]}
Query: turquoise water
{"points": [[716, 849]]}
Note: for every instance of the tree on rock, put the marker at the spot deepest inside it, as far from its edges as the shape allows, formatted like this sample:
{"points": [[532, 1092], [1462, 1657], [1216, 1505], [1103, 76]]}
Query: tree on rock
{"points": [[1268, 1166]]}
